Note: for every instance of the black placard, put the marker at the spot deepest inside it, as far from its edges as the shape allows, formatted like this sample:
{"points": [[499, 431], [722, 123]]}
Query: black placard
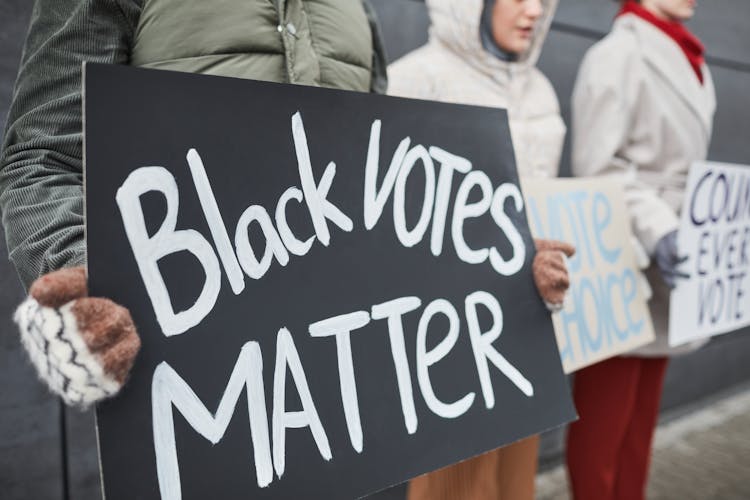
{"points": [[150, 132]]}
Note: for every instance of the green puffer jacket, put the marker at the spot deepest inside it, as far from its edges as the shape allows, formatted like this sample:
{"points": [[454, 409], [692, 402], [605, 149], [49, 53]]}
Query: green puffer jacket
{"points": [[331, 43]]}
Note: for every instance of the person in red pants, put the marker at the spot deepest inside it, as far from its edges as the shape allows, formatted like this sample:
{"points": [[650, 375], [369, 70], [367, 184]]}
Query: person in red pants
{"points": [[643, 109]]}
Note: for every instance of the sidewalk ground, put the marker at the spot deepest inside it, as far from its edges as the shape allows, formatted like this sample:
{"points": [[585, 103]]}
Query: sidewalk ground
{"points": [[701, 454]]}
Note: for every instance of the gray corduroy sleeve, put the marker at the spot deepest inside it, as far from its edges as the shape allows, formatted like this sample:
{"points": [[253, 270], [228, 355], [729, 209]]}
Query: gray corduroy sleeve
{"points": [[41, 178]]}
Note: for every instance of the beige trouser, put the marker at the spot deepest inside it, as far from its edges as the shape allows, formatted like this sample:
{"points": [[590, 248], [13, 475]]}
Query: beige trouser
{"points": [[504, 474]]}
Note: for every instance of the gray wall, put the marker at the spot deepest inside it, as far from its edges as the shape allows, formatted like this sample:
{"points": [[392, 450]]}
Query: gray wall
{"points": [[47, 452]]}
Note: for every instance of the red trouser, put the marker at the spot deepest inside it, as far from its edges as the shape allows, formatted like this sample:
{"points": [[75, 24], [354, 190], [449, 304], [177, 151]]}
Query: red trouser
{"points": [[609, 447]]}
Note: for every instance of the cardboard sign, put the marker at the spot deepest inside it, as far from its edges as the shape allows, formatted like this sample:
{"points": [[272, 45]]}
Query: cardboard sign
{"points": [[333, 289], [605, 312], [715, 237]]}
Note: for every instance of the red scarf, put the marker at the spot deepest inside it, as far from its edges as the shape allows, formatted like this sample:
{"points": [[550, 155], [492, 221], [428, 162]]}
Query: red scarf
{"points": [[689, 43]]}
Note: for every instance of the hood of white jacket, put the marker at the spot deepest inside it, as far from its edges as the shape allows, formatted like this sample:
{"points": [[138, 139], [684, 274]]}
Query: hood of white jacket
{"points": [[455, 24], [455, 67]]}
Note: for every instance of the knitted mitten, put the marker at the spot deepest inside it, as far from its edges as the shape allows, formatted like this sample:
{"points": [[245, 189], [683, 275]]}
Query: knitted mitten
{"points": [[82, 347], [551, 271]]}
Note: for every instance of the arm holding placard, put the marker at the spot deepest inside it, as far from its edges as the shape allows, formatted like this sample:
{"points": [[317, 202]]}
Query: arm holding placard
{"points": [[82, 347], [606, 104], [601, 121], [619, 132]]}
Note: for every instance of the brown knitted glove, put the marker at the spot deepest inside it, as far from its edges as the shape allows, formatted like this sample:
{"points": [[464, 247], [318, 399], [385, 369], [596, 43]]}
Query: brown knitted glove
{"points": [[82, 347], [551, 271]]}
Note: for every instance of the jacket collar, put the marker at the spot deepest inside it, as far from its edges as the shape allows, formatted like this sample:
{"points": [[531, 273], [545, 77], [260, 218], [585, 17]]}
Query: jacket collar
{"points": [[667, 59]]}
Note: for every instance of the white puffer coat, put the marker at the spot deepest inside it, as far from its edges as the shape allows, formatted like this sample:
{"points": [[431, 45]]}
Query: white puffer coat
{"points": [[641, 115], [454, 67]]}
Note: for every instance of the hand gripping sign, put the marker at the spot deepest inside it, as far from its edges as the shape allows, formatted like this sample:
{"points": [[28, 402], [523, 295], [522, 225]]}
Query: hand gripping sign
{"points": [[605, 312], [333, 289], [715, 237]]}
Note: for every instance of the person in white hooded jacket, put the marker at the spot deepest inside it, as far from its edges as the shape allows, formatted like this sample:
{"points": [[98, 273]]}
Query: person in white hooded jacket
{"points": [[483, 52]]}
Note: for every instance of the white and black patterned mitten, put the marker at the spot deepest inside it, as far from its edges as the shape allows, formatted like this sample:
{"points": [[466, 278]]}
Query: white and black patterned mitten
{"points": [[550, 269], [82, 347]]}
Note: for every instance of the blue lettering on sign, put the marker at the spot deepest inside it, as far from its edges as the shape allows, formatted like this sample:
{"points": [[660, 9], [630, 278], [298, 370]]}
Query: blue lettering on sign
{"points": [[582, 219], [601, 294], [601, 221]]}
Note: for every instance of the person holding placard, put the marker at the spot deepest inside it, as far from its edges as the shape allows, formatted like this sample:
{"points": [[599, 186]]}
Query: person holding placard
{"points": [[483, 52], [84, 347], [643, 107]]}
